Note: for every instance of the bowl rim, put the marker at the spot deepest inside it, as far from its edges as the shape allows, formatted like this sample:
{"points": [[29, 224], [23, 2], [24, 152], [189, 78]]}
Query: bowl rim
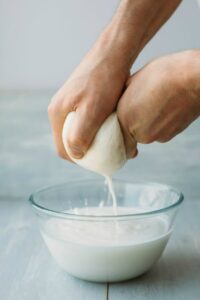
{"points": [[61, 214]]}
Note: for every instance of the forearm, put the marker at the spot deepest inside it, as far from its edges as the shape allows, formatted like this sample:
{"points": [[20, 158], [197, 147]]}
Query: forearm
{"points": [[133, 25], [161, 17]]}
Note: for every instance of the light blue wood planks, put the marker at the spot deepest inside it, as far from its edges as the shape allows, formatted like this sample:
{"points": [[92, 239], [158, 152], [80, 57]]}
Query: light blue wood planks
{"points": [[27, 270], [177, 274], [28, 162]]}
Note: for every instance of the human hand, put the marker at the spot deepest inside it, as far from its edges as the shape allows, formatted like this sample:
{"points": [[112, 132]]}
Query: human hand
{"points": [[92, 91], [95, 87], [161, 99]]}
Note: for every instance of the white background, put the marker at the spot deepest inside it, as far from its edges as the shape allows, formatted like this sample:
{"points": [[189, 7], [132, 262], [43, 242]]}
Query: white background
{"points": [[42, 41]]}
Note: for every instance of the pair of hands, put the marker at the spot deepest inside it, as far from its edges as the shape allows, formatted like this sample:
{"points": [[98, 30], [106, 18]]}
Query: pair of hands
{"points": [[154, 104]]}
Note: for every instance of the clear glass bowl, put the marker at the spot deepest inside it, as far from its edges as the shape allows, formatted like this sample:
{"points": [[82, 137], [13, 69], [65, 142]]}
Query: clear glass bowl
{"points": [[90, 241]]}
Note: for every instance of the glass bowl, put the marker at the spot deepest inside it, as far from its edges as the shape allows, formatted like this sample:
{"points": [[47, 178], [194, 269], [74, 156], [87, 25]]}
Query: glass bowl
{"points": [[90, 240]]}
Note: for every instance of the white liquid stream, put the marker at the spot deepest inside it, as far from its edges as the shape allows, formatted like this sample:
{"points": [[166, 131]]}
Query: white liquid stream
{"points": [[112, 193]]}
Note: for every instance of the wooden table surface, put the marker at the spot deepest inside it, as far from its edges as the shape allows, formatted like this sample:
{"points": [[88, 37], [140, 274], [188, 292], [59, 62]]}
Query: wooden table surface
{"points": [[28, 162]]}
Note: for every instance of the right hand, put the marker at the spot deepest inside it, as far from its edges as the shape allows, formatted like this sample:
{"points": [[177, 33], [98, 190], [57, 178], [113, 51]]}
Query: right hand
{"points": [[92, 91]]}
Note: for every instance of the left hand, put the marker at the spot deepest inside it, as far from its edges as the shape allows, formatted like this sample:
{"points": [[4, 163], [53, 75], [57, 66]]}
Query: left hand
{"points": [[161, 99]]}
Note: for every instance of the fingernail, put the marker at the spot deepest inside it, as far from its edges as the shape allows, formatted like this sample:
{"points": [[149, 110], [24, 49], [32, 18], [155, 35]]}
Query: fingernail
{"points": [[76, 152]]}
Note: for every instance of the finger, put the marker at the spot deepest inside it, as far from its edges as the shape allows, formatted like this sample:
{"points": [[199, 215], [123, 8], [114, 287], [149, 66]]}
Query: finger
{"points": [[130, 143], [86, 123], [57, 117], [123, 112]]}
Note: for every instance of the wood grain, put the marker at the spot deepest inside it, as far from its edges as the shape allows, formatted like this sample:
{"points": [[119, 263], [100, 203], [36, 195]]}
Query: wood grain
{"points": [[177, 274], [27, 270], [28, 162]]}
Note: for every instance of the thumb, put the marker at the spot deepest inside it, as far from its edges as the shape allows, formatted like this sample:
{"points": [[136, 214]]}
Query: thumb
{"points": [[129, 140], [130, 144], [79, 130]]}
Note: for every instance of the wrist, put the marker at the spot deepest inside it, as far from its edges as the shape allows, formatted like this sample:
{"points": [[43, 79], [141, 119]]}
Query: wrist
{"points": [[130, 24], [122, 38], [117, 47], [111, 54], [133, 24]]}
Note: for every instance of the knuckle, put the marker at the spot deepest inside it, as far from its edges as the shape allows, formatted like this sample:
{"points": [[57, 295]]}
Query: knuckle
{"points": [[55, 99], [146, 139], [77, 142], [56, 103], [54, 107], [164, 139], [135, 154], [50, 109]]}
